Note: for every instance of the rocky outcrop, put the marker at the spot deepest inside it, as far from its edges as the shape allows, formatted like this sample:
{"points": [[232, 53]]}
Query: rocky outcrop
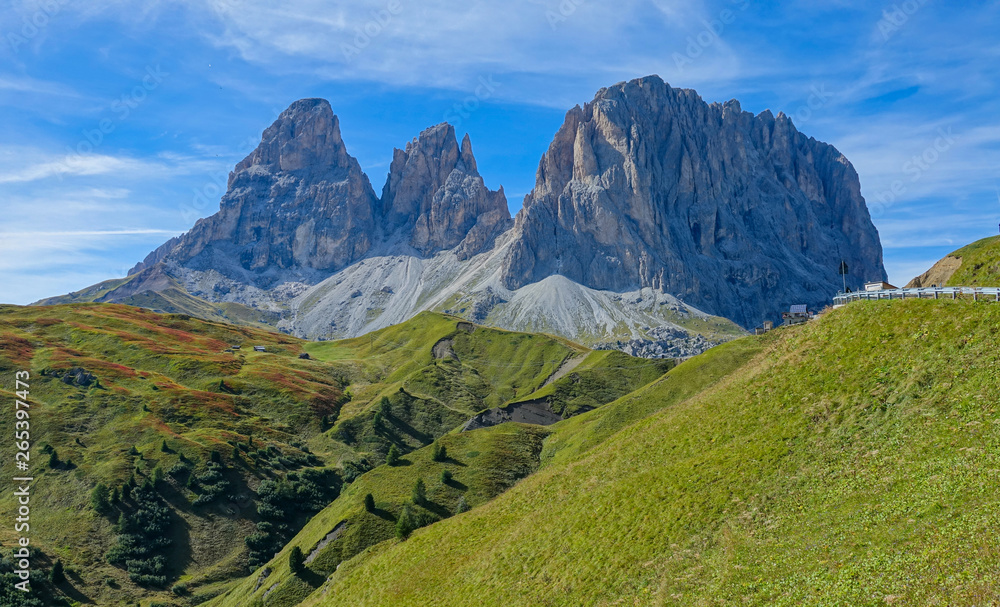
{"points": [[298, 201], [939, 274], [435, 196], [300, 205], [736, 214], [650, 208], [665, 342], [526, 412]]}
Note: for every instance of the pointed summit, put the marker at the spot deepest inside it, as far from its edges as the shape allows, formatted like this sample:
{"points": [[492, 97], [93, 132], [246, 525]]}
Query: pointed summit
{"points": [[299, 200], [305, 136], [467, 158], [435, 196]]}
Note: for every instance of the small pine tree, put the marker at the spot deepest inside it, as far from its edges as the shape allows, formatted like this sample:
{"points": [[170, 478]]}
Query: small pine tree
{"points": [[133, 451], [445, 477], [116, 496], [369, 503], [439, 452], [157, 475], [215, 456], [377, 420], [164, 447], [54, 459], [392, 458], [405, 524], [296, 560], [126, 491], [57, 575], [419, 493], [384, 406], [462, 506], [99, 499]]}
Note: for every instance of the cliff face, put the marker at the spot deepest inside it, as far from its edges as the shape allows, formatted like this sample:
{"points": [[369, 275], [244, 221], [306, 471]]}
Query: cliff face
{"points": [[435, 196], [297, 201], [300, 202], [736, 214], [651, 208]]}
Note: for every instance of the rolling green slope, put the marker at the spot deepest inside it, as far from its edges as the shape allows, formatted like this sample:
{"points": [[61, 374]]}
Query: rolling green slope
{"points": [[483, 464], [600, 377], [142, 417], [980, 264], [172, 299], [853, 460], [975, 265]]}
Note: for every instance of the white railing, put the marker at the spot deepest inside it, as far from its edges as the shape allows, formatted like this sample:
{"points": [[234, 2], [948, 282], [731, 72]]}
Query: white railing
{"points": [[976, 293]]}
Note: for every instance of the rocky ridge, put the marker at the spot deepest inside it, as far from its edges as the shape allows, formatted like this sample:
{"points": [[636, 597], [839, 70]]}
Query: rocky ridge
{"points": [[736, 214], [653, 215]]}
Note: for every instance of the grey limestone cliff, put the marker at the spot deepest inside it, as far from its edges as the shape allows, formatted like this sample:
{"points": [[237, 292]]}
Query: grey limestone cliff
{"points": [[736, 214], [652, 211], [436, 197]]}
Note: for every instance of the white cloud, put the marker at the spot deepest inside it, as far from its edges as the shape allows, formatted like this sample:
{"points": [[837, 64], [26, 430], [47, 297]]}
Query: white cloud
{"points": [[70, 165], [436, 43], [36, 165], [23, 84]]}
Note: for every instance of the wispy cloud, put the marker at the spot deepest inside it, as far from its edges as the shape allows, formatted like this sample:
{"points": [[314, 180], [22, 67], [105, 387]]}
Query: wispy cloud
{"points": [[23, 84], [890, 97], [79, 234], [36, 166]]}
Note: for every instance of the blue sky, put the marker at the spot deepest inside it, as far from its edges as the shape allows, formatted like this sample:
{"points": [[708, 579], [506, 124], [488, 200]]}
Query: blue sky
{"points": [[121, 118]]}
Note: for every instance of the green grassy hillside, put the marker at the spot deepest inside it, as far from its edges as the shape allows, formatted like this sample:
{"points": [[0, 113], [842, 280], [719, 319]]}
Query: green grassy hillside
{"points": [[483, 464], [142, 417], [980, 264], [853, 461], [976, 265], [170, 300]]}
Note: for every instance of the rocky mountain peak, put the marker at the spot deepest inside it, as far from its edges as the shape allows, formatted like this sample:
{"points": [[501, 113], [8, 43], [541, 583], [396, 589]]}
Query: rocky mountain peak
{"points": [[298, 201], [435, 196], [306, 136], [738, 215], [646, 189], [467, 158]]}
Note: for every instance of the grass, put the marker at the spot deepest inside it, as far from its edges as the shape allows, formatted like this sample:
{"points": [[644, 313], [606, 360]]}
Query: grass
{"points": [[173, 380], [852, 460], [483, 464], [601, 377], [158, 379], [980, 264]]}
